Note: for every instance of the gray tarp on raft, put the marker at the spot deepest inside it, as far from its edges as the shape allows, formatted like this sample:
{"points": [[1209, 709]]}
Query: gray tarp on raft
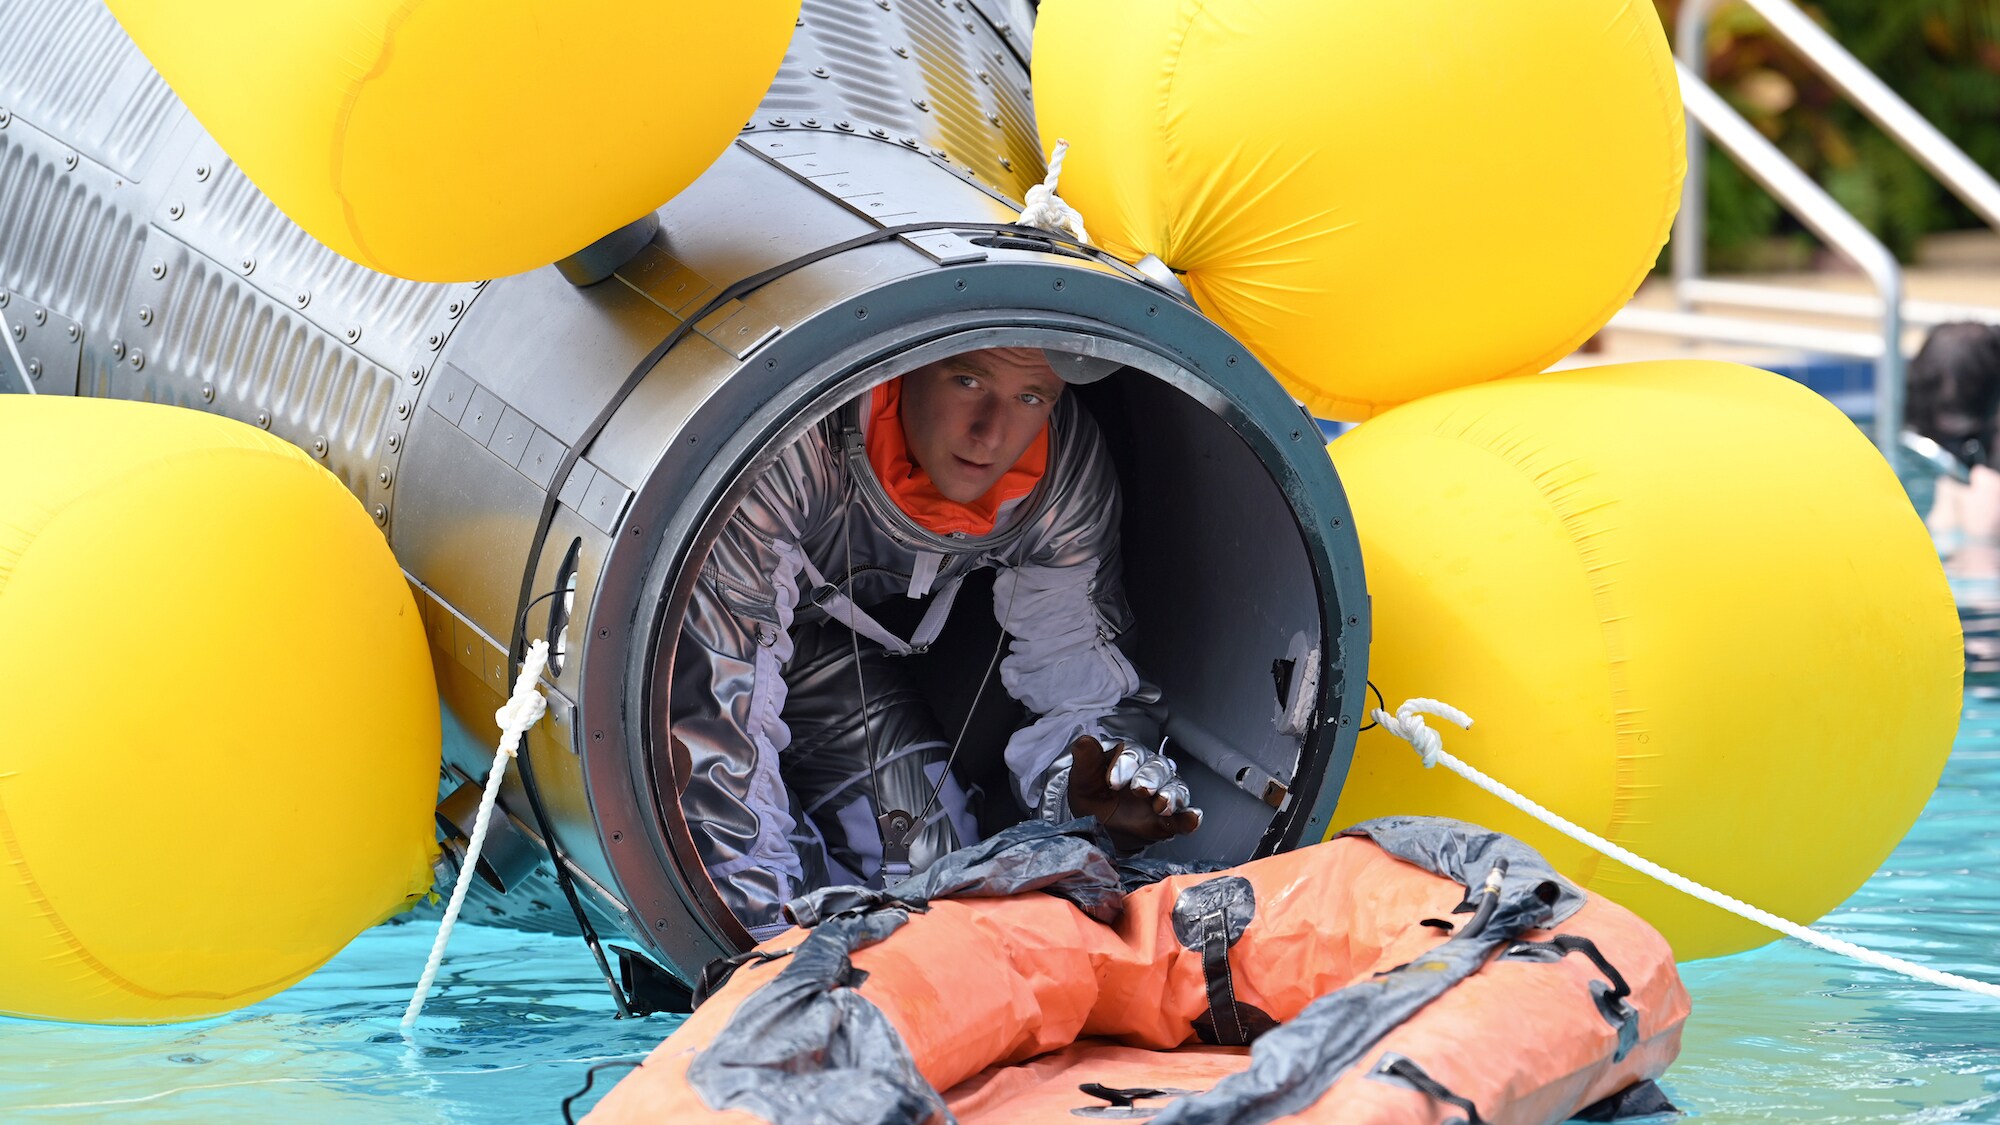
{"points": [[806, 1048], [1294, 1064]]}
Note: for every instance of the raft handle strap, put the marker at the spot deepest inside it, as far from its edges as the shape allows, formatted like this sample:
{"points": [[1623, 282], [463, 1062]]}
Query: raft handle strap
{"points": [[1611, 999], [1209, 918], [1228, 1019], [1123, 1103], [1396, 1066], [1577, 943], [1123, 1097]]}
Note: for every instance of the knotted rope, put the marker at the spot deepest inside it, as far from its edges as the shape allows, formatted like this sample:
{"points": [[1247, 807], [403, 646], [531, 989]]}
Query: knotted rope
{"points": [[1408, 724], [1046, 210], [522, 710]]}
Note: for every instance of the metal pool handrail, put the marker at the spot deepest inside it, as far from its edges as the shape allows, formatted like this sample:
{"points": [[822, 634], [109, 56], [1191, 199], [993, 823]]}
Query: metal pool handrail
{"points": [[1811, 204], [1916, 136], [1908, 128]]}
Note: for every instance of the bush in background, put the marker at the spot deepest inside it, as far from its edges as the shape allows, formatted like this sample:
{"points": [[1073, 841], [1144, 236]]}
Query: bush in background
{"points": [[1942, 56]]}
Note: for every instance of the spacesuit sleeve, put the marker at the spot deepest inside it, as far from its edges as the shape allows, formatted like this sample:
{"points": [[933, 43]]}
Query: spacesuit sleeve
{"points": [[729, 688], [1064, 606]]}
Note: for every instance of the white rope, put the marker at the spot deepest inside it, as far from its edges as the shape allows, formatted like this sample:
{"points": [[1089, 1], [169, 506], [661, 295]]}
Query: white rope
{"points": [[1046, 210], [1408, 724], [522, 710]]}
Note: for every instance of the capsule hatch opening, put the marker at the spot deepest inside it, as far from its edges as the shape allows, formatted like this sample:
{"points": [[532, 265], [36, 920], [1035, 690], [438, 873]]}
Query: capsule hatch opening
{"points": [[1228, 619]]}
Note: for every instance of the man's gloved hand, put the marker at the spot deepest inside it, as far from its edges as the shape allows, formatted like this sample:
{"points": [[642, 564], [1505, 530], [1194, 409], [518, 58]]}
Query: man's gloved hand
{"points": [[1133, 792]]}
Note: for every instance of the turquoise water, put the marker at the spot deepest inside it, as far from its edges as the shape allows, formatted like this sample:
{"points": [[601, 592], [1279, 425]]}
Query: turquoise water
{"points": [[1784, 1033]]}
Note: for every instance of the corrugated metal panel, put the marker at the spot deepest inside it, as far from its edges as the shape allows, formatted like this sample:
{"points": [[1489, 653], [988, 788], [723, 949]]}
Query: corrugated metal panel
{"points": [[66, 237], [67, 66], [976, 92], [194, 332], [930, 74], [223, 215]]}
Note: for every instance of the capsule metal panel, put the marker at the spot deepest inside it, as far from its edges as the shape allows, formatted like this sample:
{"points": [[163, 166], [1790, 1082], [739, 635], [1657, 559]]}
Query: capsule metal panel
{"points": [[400, 325], [72, 71], [937, 77], [67, 241]]}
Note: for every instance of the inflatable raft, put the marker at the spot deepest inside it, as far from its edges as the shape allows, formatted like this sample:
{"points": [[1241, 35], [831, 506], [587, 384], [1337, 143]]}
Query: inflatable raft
{"points": [[1413, 969]]}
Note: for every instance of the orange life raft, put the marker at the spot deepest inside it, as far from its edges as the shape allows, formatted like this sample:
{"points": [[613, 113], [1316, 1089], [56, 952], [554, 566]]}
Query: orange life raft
{"points": [[1414, 970]]}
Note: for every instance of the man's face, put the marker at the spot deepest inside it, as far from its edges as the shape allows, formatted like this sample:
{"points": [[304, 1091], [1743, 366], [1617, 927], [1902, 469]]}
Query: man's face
{"points": [[968, 418]]}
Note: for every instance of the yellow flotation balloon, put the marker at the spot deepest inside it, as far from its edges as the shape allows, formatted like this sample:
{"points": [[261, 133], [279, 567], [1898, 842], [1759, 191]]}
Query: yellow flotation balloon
{"points": [[219, 752], [457, 140], [1687, 605], [1381, 199]]}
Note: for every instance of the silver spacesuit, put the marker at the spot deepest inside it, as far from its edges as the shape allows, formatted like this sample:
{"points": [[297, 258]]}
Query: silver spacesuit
{"points": [[777, 654]]}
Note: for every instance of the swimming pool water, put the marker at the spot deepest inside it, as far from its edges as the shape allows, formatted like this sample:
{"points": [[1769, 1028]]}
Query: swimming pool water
{"points": [[1783, 1033]]}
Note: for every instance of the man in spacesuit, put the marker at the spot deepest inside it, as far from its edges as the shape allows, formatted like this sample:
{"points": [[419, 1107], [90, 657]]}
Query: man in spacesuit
{"points": [[813, 758]]}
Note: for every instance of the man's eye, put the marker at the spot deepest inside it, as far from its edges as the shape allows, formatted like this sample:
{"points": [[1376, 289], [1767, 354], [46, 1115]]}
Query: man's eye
{"points": [[966, 381], [1032, 400]]}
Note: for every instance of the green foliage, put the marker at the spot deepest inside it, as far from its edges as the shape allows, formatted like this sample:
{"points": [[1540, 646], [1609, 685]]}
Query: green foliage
{"points": [[1942, 56]]}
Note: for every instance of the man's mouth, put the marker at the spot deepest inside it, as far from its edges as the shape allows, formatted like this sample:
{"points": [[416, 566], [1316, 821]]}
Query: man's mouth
{"points": [[975, 466]]}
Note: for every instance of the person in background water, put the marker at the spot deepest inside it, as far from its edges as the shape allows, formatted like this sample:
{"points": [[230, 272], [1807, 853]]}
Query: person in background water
{"points": [[1954, 400], [801, 726]]}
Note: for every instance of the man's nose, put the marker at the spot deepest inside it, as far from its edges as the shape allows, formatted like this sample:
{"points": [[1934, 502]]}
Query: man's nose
{"points": [[984, 425]]}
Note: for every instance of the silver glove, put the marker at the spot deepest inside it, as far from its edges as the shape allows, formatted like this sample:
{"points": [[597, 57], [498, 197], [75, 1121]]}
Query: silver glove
{"points": [[1149, 772]]}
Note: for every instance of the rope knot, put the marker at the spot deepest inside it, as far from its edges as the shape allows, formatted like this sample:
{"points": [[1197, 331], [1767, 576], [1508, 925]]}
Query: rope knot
{"points": [[1045, 210], [1408, 724], [522, 710], [520, 713], [526, 706]]}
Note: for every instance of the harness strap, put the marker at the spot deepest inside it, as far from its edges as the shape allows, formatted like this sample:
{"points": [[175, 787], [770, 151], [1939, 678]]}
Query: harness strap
{"points": [[932, 625], [924, 574], [841, 608]]}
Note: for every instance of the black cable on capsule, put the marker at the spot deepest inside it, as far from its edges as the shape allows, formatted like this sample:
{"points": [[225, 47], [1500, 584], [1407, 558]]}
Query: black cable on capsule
{"points": [[1380, 705], [521, 619]]}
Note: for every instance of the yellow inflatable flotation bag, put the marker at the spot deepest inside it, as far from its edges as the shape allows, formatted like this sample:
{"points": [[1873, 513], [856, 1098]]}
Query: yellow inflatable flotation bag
{"points": [[458, 141], [1687, 606], [219, 753], [1382, 200]]}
